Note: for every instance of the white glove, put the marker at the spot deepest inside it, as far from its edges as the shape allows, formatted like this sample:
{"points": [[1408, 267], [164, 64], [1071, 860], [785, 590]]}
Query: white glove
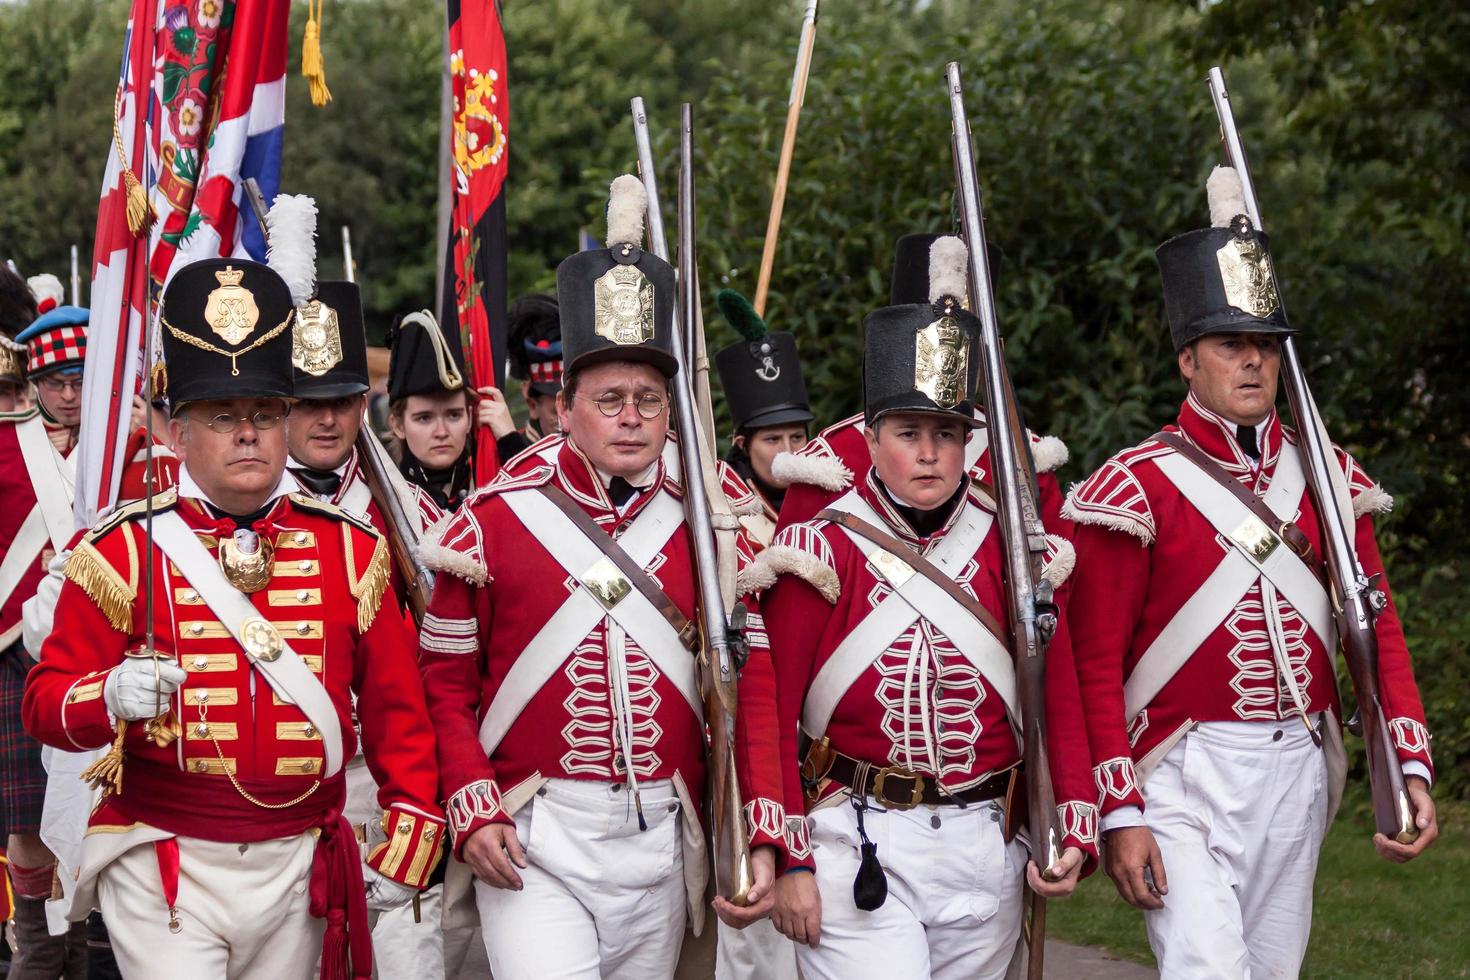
{"points": [[134, 693], [383, 893], [38, 612]]}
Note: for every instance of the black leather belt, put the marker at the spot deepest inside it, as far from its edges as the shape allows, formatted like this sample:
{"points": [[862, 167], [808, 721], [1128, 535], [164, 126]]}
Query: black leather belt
{"points": [[897, 788]]}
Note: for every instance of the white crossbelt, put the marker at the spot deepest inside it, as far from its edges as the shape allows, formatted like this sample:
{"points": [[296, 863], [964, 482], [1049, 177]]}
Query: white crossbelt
{"points": [[911, 599], [288, 675], [1237, 572], [633, 615], [50, 519]]}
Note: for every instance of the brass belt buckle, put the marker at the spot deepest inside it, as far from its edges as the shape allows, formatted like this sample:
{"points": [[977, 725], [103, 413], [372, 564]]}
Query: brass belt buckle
{"points": [[916, 796]]}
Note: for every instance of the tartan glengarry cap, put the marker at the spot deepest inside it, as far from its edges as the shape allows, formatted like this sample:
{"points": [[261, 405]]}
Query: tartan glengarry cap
{"points": [[226, 332]]}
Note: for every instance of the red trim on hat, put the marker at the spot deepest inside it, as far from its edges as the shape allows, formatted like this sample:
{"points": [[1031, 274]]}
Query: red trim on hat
{"points": [[546, 372], [56, 347]]}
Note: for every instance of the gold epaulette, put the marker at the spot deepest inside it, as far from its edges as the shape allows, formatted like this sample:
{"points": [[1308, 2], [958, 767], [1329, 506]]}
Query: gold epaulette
{"points": [[112, 589], [369, 587]]}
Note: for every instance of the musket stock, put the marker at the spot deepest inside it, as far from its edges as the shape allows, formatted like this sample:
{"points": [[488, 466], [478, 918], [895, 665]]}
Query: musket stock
{"points": [[1023, 539], [1356, 600]]}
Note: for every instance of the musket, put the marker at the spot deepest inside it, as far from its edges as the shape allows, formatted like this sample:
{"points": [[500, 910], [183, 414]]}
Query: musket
{"points": [[799, 77], [1356, 598], [721, 636], [1033, 614], [349, 270], [76, 279]]}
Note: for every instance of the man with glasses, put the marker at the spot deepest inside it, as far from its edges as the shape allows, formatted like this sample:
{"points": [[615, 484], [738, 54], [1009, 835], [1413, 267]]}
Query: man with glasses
{"points": [[35, 524], [557, 652], [217, 640]]}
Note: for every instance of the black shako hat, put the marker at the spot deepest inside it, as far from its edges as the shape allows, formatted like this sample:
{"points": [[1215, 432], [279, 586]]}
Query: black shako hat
{"points": [[924, 357], [761, 374], [617, 303], [329, 343], [1220, 279], [419, 359], [226, 332], [910, 281], [534, 342]]}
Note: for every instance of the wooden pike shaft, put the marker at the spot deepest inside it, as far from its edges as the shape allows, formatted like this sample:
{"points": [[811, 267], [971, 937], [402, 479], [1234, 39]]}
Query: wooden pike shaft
{"points": [[788, 148]]}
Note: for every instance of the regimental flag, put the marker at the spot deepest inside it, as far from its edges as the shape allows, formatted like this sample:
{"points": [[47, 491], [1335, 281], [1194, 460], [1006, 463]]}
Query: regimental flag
{"points": [[200, 106], [475, 294]]}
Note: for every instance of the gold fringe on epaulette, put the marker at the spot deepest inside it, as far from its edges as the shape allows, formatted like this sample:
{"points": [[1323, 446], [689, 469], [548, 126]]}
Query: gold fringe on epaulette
{"points": [[112, 594], [368, 590]]}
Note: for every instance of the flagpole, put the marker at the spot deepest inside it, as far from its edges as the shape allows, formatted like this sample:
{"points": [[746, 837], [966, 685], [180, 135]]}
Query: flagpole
{"points": [[788, 148]]}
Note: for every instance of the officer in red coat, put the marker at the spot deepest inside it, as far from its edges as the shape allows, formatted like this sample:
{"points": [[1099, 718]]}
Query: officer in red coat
{"points": [[557, 652], [824, 468], [220, 659], [885, 614], [1204, 635]]}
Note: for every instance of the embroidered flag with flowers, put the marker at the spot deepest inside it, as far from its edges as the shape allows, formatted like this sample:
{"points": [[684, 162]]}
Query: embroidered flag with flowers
{"points": [[480, 159], [200, 106]]}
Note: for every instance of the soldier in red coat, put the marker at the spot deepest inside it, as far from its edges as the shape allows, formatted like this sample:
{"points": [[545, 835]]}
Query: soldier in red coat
{"points": [[886, 616], [557, 652], [36, 447], [1205, 639], [220, 659], [824, 468]]}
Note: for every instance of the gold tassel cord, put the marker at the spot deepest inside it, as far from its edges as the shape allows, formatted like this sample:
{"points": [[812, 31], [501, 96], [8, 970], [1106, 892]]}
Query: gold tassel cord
{"points": [[140, 210], [107, 772], [312, 66]]}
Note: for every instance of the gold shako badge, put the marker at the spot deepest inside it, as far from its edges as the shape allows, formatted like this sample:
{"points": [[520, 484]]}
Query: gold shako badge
{"points": [[1245, 272], [623, 306], [942, 362], [231, 311], [316, 340]]}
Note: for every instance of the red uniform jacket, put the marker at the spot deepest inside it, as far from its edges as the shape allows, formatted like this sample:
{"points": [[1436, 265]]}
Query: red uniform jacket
{"points": [[1143, 550], [19, 497], [822, 470], [920, 704], [497, 587], [330, 575]]}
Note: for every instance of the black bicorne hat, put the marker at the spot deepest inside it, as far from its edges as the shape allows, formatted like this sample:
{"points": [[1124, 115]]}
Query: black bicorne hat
{"points": [[420, 361], [226, 332], [761, 374], [617, 303], [1219, 280], [924, 357], [534, 342], [329, 343]]}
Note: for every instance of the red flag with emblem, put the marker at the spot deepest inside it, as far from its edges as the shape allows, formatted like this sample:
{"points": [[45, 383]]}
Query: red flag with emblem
{"points": [[479, 161]]}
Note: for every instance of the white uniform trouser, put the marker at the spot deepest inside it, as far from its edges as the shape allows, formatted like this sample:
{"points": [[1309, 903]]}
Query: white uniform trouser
{"points": [[243, 909], [954, 895], [1239, 810], [402, 948], [601, 898], [757, 952]]}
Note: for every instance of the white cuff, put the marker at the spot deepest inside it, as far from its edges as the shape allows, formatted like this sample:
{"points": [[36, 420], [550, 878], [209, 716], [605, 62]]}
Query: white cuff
{"points": [[1416, 768], [1124, 816]]}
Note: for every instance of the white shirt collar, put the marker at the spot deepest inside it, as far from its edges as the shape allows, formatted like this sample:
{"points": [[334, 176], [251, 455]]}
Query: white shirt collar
{"points": [[190, 489]]}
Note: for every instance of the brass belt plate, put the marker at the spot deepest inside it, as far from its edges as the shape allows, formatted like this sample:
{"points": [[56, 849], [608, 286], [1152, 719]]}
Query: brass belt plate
{"points": [[607, 585], [261, 640], [892, 568], [1256, 539]]}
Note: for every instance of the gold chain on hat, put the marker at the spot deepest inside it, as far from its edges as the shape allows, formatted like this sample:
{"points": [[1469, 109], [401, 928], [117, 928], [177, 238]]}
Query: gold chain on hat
{"points": [[232, 355]]}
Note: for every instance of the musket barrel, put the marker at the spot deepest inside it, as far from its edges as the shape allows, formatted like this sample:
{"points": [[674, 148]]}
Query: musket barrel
{"points": [[1350, 586]]}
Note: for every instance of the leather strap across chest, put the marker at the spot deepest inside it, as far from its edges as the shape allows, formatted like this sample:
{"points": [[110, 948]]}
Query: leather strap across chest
{"points": [[914, 595]]}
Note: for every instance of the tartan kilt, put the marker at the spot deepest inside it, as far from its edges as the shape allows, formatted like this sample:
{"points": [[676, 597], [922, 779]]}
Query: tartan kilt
{"points": [[22, 777]]}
